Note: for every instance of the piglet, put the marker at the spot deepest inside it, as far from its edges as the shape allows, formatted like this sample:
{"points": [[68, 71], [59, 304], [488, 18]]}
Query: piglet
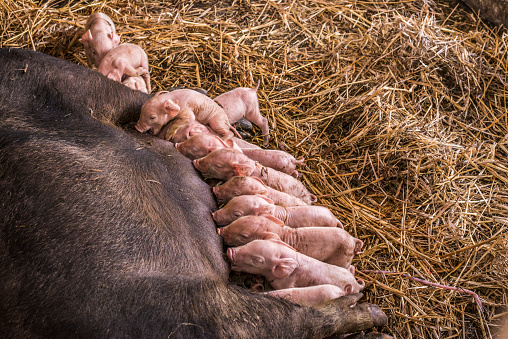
{"points": [[237, 186], [225, 163], [284, 267], [184, 106], [332, 245], [202, 144], [243, 102], [278, 160], [309, 296], [99, 38], [126, 60], [136, 83], [292, 216]]}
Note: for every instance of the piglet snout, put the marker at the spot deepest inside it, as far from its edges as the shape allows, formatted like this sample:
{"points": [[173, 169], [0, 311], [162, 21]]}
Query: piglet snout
{"points": [[313, 198], [231, 254]]}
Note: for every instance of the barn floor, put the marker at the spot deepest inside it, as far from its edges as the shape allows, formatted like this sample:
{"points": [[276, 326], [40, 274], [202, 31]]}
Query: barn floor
{"points": [[398, 107]]}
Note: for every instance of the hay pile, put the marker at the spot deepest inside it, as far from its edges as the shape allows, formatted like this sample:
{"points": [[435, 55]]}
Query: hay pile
{"points": [[399, 107]]}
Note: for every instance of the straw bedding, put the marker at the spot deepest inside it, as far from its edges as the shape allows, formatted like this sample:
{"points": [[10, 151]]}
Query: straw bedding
{"points": [[399, 108]]}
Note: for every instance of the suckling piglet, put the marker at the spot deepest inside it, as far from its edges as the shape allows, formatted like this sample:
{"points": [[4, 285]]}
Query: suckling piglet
{"points": [[202, 144], [126, 60], [292, 216], [226, 163], [238, 185], [284, 267], [332, 245], [309, 296]]}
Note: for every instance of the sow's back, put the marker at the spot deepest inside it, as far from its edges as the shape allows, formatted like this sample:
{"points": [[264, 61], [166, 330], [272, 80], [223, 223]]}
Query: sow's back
{"points": [[106, 232]]}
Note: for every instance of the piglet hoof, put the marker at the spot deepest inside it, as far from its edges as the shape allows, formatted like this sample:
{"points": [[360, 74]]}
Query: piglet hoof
{"points": [[243, 124], [266, 140]]}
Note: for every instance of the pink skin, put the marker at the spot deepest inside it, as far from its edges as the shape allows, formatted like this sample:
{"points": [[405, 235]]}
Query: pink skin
{"points": [[136, 83], [284, 267], [99, 38], [189, 105], [243, 102], [226, 163], [126, 60], [332, 245], [309, 296], [278, 160], [238, 185], [292, 216], [202, 144]]}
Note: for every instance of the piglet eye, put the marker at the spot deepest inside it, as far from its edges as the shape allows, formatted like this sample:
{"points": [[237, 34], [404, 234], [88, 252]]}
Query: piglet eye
{"points": [[258, 260], [152, 117], [245, 236], [238, 215]]}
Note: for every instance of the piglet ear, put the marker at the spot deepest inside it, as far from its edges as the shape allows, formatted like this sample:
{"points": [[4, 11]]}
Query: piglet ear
{"points": [[269, 236], [242, 170], [274, 219], [261, 181], [171, 106], [115, 38], [280, 242], [265, 210], [86, 38], [268, 200], [225, 144], [230, 143], [284, 268]]}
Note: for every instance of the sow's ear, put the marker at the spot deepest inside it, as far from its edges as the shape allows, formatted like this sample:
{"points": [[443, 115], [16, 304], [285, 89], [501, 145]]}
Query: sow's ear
{"points": [[284, 268], [86, 38]]}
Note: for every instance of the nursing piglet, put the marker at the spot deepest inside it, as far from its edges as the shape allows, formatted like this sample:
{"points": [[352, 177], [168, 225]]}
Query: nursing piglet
{"points": [[309, 296], [184, 106], [332, 245], [292, 216], [284, 267], [237, 186], [126, 60], [99, 38], [243, 102], [202, 144], [225, 163]]}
